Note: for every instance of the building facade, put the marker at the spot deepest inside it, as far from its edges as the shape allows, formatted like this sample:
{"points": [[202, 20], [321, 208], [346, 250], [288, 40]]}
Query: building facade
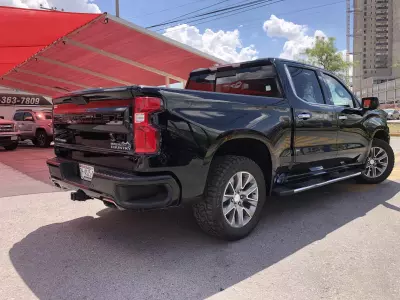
{"points": [[376, 42]]}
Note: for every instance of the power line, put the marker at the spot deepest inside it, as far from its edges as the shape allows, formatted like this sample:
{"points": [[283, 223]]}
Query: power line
{"points": [[189, 13], [223, 11], [290, 12], [263, 19], [241, 11], [167, 9], [209, 14], [244, 28]]}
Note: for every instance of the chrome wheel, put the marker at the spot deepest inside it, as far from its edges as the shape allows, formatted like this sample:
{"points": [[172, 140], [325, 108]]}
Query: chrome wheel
{"points": [[41, 138], [240, 199], [377, 163]]}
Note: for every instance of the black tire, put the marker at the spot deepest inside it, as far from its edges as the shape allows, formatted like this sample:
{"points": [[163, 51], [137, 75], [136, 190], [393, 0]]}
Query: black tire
{"points": [[11, 147], [389, 151], [209, 214], [42, 140]]}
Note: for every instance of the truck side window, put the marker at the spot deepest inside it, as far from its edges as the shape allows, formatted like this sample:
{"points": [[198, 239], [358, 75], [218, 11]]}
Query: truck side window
{"points": [[256, 81], [18, 116], [339, 96], [28, 117], [306, 85], [202, 82]]}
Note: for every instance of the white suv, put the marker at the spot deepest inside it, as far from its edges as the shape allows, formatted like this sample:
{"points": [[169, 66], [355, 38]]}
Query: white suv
{"points": [[35, 125]]}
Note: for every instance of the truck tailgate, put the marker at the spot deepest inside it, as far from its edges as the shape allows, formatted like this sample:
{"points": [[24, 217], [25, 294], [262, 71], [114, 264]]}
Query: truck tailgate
{"points": [[97, 125], [94, 126]]}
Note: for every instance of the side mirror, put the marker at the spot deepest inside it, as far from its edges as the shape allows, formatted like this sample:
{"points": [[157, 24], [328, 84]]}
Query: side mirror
{"points": [[370, 103], [30, 119]]}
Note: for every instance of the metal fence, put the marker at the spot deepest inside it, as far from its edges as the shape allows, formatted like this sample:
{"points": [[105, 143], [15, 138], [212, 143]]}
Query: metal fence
{"points": [[387, 92]]}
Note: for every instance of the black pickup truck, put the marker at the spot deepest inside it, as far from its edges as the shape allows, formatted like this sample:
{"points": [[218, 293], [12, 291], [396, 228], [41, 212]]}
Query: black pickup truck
{"points": [[235, 135]]}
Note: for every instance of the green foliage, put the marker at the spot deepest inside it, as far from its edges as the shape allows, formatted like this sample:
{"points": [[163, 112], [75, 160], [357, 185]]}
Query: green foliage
{"points": [[324, 54]]}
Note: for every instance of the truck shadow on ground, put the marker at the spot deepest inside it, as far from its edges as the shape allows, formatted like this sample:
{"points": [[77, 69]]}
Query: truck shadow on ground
{"points": [[163, 254]]}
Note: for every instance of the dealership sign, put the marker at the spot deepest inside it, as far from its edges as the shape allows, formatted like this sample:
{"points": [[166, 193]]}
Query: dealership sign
{"points": [[23, 100]]}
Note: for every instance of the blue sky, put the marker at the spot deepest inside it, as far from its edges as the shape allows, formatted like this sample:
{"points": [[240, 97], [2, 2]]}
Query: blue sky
{"points": [[284, 28], [331, 19]]}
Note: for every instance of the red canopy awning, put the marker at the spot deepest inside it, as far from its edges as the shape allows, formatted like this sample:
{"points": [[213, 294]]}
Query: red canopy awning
{"points": [[51, 52]]}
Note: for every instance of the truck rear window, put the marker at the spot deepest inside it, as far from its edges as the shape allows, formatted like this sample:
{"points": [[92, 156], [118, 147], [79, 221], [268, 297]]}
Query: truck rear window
{"points": [[256, 81], [202, 82]]}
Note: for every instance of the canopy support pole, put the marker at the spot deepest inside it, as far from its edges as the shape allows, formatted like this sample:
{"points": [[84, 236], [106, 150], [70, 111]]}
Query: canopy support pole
{"points": [[117, 8], [53, 78], [35, 85], [59, 63], [119, 58]]}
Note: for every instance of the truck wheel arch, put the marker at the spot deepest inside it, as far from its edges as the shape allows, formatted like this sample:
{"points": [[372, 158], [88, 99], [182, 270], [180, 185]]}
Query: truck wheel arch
{"points": [[381, 134], [250, 145], [39, 129], [376, 127]]}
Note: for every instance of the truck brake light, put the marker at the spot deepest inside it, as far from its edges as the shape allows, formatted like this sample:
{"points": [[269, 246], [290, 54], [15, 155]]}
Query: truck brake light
{"points": [[146, 136]]}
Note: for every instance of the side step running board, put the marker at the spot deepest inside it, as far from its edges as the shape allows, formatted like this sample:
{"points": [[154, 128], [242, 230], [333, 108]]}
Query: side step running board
{"points": [[286, 191]]}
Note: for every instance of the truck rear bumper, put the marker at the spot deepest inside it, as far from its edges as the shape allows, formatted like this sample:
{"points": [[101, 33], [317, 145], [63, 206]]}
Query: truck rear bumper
{"points": [[125, 190], [6, 140]]}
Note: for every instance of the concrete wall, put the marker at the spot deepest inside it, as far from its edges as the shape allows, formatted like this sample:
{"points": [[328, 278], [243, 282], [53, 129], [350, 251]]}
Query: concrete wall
{"points": [[388, 92]]}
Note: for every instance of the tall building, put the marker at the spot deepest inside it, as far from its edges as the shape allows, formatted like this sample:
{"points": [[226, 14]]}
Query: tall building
{"points": [[376, 42]]}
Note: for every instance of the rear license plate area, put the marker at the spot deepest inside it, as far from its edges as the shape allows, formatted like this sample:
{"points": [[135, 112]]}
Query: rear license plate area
{"points": [[86, 172]]}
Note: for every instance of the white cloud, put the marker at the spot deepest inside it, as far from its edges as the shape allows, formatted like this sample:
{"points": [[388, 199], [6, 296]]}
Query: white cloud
{"points": [[225, 45], [296, 35], [68, 5], [276, 27]]}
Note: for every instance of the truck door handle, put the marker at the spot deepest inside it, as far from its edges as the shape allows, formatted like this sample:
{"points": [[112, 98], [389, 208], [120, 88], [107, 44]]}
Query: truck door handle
{"points": [[304, 116], [342, 117]]}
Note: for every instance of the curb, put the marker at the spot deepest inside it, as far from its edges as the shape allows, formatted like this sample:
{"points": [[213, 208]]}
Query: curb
{"points": [[395, 134]]}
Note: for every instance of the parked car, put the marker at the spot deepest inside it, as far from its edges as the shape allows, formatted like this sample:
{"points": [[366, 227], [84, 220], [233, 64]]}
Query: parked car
{"points": [[9, 135], [35, 125], [237, 134], [392, 114]]}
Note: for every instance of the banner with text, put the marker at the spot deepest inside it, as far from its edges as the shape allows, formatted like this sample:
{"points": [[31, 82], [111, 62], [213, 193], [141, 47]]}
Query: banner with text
{"points": [[23, 100]]}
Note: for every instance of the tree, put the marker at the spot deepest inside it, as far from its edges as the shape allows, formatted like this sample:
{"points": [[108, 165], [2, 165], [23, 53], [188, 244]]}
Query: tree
{"points": [[324, 54]]}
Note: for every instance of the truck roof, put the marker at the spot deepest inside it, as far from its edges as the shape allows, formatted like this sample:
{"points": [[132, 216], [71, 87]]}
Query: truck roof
{"points": [[251, 63]]}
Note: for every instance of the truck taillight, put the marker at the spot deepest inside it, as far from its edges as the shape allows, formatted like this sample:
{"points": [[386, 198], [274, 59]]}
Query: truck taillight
{"points": [[146, 136]]}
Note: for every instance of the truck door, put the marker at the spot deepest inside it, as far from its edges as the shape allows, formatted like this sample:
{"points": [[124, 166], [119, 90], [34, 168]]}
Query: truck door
{"points": [[27, 124], [353, 138], [316, 123], [18, 118]]}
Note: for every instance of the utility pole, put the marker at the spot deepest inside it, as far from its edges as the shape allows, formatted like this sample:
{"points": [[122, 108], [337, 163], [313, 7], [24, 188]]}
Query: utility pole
{"points": [[348, 34], [117, 8]]}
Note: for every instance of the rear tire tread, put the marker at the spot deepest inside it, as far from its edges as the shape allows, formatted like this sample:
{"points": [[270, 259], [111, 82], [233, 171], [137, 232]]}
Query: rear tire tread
{"points": [[47, 139], [205, 211]]}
